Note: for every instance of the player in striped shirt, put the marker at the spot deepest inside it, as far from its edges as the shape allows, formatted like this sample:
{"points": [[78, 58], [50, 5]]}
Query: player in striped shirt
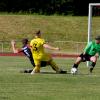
{"points": [[27, 52]]}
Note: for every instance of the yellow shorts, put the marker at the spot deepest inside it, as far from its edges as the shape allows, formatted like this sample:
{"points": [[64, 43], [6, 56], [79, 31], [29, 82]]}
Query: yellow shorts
{"points": [[43, 57]]}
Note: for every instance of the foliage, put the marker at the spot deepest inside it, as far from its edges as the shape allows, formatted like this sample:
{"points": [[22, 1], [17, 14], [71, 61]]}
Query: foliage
{"points": [[47, 7], [36, 6]]}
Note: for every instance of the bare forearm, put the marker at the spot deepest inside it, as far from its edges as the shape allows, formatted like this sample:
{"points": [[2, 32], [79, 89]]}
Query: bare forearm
{"points": [[13, 44], [50, 47], [15, 50]]}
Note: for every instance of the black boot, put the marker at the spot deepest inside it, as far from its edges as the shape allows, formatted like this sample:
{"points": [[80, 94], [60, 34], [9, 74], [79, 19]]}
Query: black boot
{"points": [[92, 67]]}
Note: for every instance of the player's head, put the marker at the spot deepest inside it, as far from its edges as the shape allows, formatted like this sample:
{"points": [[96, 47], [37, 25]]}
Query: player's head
{"points": [[38, 33], [25, 41], [97, 39]]}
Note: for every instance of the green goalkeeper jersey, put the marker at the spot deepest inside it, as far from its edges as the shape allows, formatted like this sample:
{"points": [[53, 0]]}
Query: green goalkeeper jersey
{"points": [[92, 48]]}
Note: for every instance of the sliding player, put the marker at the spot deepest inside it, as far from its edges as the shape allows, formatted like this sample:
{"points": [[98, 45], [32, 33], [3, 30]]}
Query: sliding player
{"points": [[37, 47], [27, 52], [91, 53]]}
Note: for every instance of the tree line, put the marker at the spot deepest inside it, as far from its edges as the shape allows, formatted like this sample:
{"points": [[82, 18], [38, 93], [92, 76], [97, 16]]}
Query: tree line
{"points": [[47, 7]]}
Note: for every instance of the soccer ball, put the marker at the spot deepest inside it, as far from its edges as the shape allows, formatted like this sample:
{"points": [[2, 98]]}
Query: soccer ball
{"points": [[74, 71]]}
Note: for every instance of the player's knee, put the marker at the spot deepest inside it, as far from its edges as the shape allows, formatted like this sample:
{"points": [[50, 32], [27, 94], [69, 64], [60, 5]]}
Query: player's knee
{"points": [[79, 59], [82, 57], [93, 59]]}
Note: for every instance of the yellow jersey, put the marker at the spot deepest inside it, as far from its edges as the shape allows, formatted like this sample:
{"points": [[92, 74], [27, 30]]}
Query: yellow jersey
{"points": [[37, 46]]}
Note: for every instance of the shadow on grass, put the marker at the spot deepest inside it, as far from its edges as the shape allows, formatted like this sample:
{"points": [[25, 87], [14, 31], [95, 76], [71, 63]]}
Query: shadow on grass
{"points": [[30, 70]]}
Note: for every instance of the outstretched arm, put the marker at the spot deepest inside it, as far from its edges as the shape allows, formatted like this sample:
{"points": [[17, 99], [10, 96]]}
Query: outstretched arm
{"points": [[50, 47], [13, 44]]}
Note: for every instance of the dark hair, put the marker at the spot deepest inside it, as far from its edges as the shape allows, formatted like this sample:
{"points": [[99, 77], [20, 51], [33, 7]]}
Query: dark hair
{"points": [[97, 37], [38, 32], [25, 41]]}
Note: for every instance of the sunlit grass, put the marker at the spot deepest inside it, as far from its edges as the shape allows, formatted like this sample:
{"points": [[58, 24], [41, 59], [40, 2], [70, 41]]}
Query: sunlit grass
{"points": [[48, 86]]}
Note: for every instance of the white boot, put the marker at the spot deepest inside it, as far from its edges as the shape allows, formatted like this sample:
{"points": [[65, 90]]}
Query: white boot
{"points": [[32, 72]]}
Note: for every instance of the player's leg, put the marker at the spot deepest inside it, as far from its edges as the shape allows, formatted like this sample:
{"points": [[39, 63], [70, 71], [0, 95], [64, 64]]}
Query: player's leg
{"points": [[36, 69], [33, 64], [48, 58], [78, 61], [93, 59], [81, 58], [55, 67], [43, 64], [37, 66], [32, 61], [76, 64]]}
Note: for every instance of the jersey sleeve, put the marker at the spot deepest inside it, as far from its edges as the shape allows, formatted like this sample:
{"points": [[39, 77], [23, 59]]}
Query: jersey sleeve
{"points": [[43, 41], [87, 48]]}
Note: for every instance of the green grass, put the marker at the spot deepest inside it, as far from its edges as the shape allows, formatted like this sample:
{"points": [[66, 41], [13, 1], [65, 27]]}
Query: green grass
{"points": [[54, 27], [49, 86]]}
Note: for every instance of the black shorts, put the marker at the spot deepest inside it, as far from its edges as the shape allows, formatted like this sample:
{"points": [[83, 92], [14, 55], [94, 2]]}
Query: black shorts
{"points": [[85, 57]]}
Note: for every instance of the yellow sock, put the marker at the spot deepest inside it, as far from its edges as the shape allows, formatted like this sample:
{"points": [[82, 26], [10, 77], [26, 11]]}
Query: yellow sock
{"points": [[37, 69], [54, 66]]}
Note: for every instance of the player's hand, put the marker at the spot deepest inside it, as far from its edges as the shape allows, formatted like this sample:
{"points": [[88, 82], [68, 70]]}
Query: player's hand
{"points": [[97, 55], [13, 42]]}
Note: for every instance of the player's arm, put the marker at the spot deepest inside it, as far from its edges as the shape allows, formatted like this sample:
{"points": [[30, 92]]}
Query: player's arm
{"points": [[87, 48], [15, 50], [50, 47], [97, 55]]}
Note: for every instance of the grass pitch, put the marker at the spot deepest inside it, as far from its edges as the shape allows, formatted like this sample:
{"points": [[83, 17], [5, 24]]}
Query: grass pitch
{"points": [[48, 86]]}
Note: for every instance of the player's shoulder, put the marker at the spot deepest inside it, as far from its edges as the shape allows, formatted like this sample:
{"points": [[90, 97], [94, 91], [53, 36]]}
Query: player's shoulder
{"points": [[41, 40], [37, 40], [91, 42], [33, 40]]}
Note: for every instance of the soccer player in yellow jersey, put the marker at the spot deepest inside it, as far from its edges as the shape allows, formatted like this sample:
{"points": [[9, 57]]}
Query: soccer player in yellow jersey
{"points": [[37, 47]]}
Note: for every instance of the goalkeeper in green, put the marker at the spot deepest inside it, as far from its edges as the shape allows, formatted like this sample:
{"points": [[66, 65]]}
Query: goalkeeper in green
{"points": [[91, 53]]}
